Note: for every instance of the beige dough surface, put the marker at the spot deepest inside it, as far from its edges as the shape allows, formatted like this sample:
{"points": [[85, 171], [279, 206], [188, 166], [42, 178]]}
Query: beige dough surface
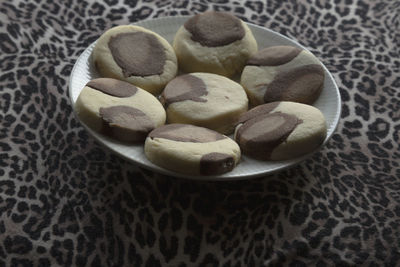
{"points": [[107, 66]]}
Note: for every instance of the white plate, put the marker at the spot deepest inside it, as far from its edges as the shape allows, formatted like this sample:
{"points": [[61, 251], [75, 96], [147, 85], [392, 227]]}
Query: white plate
{"points": [[329, 103]]}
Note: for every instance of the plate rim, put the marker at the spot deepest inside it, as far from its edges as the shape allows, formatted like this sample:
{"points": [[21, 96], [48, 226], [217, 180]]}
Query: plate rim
{"points": [[224, 177]]}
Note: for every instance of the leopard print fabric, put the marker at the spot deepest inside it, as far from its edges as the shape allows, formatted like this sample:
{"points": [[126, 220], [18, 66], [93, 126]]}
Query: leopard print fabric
{"points": [[67, 201]]}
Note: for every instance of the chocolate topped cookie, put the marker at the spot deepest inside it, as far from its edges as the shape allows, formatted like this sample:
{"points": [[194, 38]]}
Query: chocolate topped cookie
{"points": [[136, 55], [204, 99], [214, 42], [191, 150], [280, 130], [283, 73], [214, 29], [119, 109]]}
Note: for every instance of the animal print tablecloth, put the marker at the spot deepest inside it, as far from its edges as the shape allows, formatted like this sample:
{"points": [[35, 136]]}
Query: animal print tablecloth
{"points": [[67, 201]]}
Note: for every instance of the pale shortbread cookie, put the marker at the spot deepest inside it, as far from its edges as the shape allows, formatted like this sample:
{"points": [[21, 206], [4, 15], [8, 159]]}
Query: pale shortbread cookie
{"points": [[204, 99], [214, 42], [280, 130], [191, 150], [136, 55], [119, 109], [282, 73]]}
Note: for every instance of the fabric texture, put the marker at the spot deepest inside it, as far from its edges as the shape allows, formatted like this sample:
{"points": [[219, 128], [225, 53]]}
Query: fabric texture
{"points": [[67, 201]]}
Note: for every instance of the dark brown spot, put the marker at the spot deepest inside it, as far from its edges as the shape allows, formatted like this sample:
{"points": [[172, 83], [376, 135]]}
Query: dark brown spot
{"points": [[274, 56], [126, 123], [216, 163], [259, 136], [138, 53], [302, 84], [184, 87], [113, 87], [214, 29], [186, 133]]}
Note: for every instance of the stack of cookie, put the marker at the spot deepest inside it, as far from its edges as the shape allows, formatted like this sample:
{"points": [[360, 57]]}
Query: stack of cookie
{"points": [[184, 119]]}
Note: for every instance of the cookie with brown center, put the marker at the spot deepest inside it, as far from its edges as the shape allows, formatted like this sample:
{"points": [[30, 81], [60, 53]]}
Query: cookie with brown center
{"points": [[283, 73], [214, 42], [191, 150], [204, 99], [280, 130], [136, 55], [119, 109]]}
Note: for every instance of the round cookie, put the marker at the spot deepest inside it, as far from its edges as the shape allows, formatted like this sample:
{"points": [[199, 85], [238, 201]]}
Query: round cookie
{"points": [[280, 130], [136, 55], [282, 73], [191, 150], [119, 109], [204, 99], [214, 42]]}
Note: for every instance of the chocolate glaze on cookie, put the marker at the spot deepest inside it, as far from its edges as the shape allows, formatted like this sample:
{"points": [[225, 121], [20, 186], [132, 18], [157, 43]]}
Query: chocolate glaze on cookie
{"points": [[259, 136], [302, 84], [214, 29], [184, 87], [125, 123], [274, 56], [186, 133], [138, 53], [113, 87], [216, 163]]}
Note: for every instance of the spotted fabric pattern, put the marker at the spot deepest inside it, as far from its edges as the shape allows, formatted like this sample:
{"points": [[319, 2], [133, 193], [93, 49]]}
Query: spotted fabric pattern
{"points": [[65, 200]]}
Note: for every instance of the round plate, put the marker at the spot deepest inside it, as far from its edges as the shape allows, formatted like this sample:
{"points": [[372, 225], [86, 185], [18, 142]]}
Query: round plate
{"points": [[329, 103]]}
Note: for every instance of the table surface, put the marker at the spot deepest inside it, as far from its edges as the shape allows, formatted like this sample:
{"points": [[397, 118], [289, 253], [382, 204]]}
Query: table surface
{"points": [[67, 201]]}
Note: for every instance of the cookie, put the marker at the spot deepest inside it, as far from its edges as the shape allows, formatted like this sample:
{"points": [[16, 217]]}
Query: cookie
{"points": [[282, 73], [204, 99], [191, 150], [214, 42], [119, 109], [136, 55], [280, 130]]}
